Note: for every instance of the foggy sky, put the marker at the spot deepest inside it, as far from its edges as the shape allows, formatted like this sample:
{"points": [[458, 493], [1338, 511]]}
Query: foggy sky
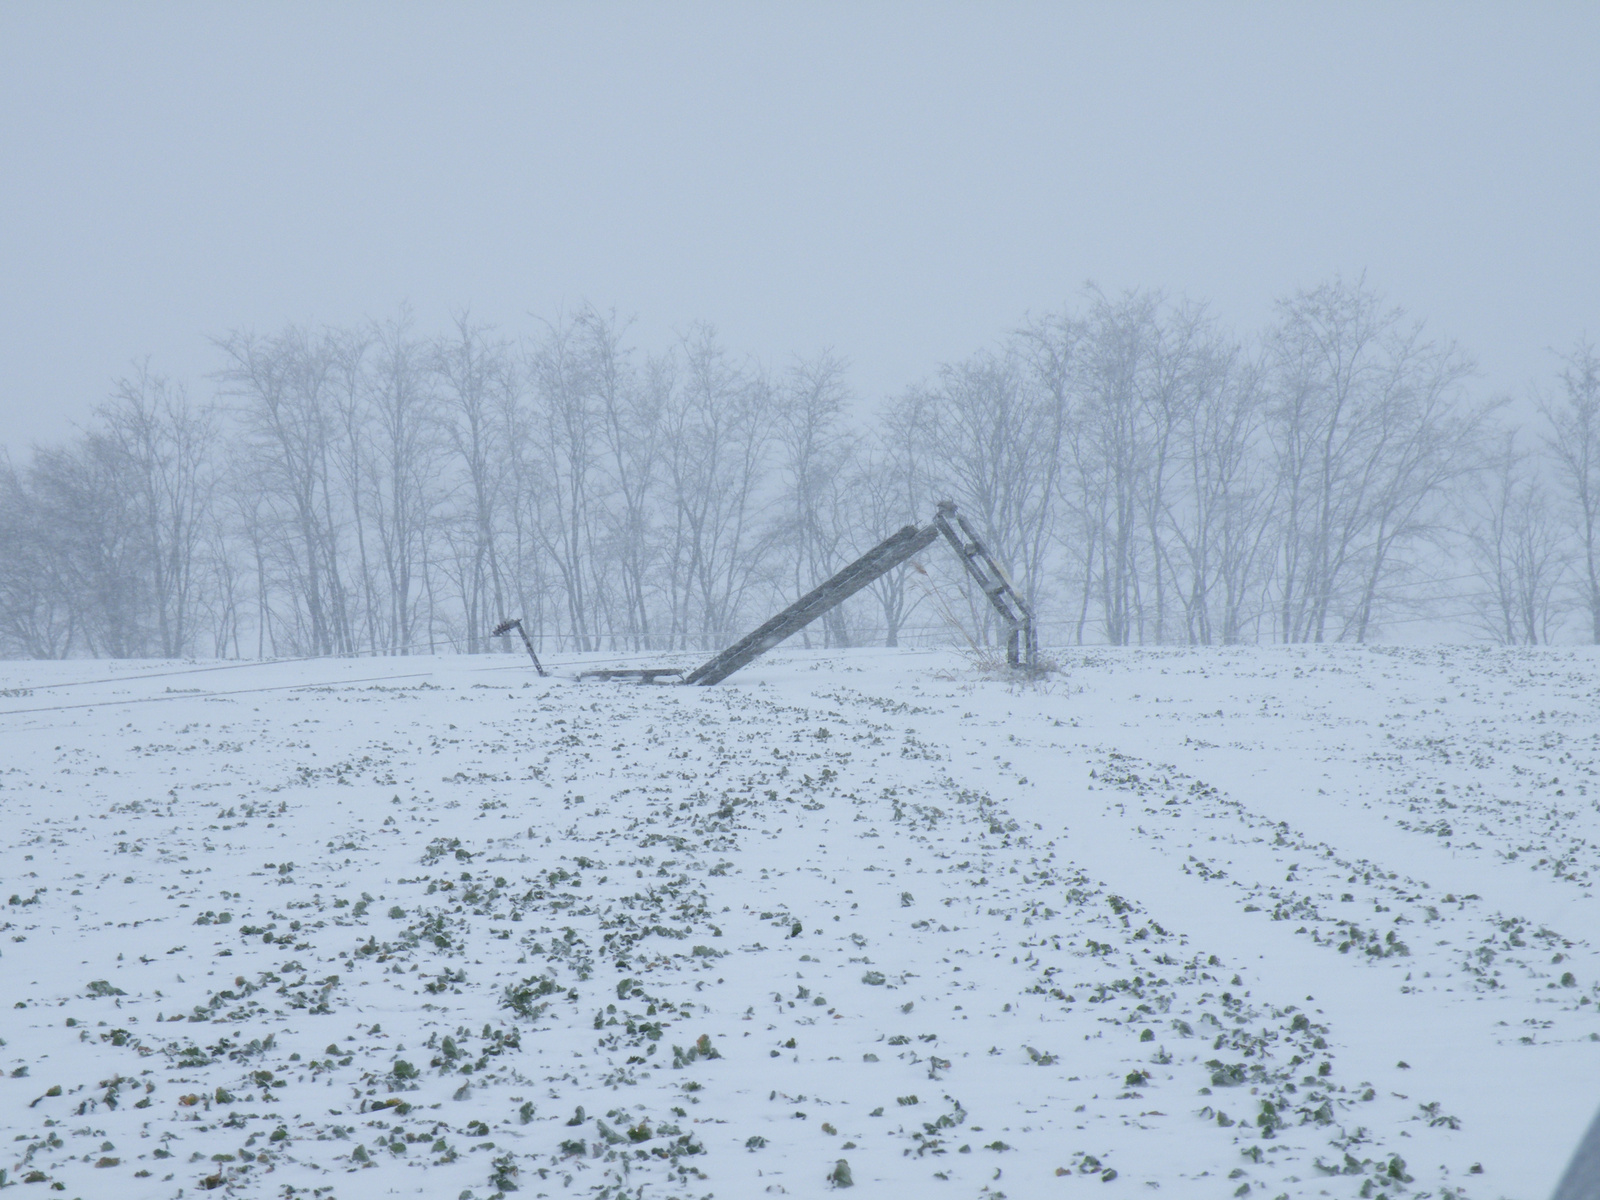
{"points": [[902, 183]]}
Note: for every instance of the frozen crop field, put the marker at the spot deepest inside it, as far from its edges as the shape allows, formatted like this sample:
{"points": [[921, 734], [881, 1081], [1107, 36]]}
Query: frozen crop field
{"points": [[1256, 922]]}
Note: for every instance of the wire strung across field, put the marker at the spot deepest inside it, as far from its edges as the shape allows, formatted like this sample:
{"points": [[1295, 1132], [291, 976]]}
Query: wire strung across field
{"points": [[235, 666], [282, 687]]}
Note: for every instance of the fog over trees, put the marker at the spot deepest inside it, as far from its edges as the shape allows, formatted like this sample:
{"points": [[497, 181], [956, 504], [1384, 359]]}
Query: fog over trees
{"points": [[1148, 475]]}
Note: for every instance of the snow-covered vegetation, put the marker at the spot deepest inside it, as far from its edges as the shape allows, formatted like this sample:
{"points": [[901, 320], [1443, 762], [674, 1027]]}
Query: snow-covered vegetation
{"points": [[1296, 921]]}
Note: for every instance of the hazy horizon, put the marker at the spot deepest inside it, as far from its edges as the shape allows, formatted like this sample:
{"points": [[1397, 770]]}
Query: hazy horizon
{"points": [[900, 183]]}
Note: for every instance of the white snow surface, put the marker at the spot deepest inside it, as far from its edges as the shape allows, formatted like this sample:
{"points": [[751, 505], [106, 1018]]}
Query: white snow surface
{"points": [[1271, 922]]}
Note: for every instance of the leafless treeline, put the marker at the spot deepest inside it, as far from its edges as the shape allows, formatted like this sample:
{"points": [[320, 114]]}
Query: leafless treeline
{"points": [[1148, 476]]}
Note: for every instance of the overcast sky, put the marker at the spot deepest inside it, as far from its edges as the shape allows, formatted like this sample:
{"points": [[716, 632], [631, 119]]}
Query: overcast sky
{"points": [[902, 183]]}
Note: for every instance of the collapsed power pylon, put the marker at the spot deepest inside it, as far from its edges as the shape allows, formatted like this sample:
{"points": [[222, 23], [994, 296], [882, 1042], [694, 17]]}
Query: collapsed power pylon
{"points": [[506, 627], [1022, 639], [1022, 646], [1022, 649]]}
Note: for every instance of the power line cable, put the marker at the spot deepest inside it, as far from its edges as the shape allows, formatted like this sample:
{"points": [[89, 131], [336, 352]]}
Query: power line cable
{"points": [[260, 662], [283, 687], [256, 662]]}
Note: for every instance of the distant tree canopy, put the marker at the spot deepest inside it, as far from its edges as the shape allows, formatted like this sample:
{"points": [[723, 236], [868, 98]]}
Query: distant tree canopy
{"points": [[1147, 476]]}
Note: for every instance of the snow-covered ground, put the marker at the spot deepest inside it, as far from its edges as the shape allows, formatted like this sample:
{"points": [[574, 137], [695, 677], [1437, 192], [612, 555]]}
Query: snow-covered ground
{"points": [[1268, 922]]}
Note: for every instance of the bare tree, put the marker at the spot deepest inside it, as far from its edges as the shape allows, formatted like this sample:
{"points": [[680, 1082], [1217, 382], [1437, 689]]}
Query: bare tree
{"points": [[1368, 431], [569, 496], [812, 459], [1574, 416], [1518, 549], [39, 610], [166, 447], [1220, 518], [476, 378], [718, 433], [352, 465], [1112, 455], [630, 410], [287, 415], [93, 530], [997, 436], [895, 486], [519, 432], [405, 453]]}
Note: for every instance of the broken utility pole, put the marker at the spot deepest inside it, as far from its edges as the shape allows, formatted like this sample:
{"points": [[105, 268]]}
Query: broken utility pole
{"points": [[1021, 642], [882, 558], [516, 623], [1022, 645]]}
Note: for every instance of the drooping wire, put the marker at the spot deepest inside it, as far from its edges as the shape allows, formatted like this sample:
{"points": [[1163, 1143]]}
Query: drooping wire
{"points": [[282, 687], [234, 666]]}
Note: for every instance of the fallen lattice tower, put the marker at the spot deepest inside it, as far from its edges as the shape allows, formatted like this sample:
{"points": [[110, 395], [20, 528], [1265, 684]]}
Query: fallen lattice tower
{"points": [[1022, 649]]}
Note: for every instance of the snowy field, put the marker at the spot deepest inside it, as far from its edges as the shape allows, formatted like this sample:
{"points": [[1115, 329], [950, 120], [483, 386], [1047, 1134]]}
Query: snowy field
{"points": [[1256, 922]]}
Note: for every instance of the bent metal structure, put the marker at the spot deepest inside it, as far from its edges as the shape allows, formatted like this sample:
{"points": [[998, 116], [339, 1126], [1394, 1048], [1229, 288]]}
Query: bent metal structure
{"points": [[1022, 647]]}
